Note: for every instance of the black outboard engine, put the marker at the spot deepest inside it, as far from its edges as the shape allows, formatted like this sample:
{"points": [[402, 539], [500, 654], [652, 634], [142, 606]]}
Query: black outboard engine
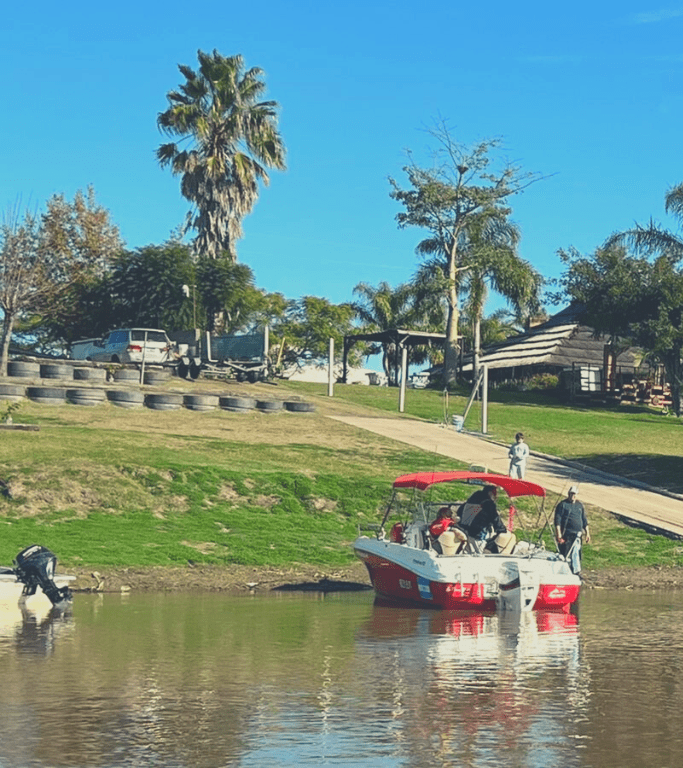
{"points": [[35, 567]]}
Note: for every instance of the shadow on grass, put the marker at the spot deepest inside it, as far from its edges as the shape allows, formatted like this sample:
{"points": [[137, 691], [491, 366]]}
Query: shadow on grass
{"points": [[658, 471]]}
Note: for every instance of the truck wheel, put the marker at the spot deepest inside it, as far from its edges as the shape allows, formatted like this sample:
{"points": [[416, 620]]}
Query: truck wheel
{"points": [[253, 377]]}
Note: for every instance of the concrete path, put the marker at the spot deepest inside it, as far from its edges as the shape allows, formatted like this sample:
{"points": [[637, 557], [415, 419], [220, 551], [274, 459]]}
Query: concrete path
{"points": [[608, 492]]}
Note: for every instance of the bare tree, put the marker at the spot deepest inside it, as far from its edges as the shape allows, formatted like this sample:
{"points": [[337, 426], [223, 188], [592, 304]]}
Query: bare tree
{"points": [[24, 273]]}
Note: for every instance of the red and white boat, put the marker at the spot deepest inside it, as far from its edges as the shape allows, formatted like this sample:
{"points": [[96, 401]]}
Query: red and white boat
{"points": [[405, 565]]}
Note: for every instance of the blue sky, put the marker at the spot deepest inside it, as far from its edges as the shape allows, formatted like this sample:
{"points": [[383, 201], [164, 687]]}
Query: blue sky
{"points": [[588, 94]]}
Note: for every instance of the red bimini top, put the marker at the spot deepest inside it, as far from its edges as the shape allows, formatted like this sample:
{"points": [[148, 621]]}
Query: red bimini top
{"points": [[512, 486]]}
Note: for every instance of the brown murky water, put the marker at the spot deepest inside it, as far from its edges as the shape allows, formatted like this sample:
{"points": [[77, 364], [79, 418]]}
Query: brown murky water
{"points": [[290, 680]]}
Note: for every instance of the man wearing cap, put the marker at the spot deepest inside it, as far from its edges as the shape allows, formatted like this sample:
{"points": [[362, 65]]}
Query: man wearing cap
{"points": [[571, 525], [479, 514]]}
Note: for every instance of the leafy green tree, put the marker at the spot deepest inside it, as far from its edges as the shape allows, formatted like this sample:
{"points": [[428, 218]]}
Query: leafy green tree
{"points": [[309, 325], [493, 328], [145, 288], [633, 298], [228, 294], [458, 200], [81, 238], [231, 140]]}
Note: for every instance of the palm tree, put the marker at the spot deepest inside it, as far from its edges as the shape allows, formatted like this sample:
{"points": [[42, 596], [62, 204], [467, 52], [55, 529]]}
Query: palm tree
{"points": [[384, 308], [488, 260], [233, 140], [494, 263], [652, 238], [668, 247]]}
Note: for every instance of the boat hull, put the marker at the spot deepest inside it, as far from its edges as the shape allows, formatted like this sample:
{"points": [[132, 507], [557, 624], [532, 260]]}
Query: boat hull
{"points": [[464, 582]]}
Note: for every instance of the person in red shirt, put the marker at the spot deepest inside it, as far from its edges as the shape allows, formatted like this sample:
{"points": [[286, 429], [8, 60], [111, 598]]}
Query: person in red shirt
{"points": [[445, 533]]}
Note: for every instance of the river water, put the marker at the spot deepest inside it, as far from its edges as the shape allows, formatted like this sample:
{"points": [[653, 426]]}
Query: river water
{"points": [[195, 680]]}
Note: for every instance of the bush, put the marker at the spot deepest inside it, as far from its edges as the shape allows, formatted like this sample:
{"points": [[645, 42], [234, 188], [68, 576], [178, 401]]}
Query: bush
{"points": [[543, 381]]}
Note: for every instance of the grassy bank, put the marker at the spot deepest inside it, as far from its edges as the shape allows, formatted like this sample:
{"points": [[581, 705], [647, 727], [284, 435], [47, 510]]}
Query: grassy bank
{"points": [[109, 487], [634, 442]]}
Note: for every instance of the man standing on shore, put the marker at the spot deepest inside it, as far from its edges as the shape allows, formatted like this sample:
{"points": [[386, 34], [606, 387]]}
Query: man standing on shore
{"points": [[570, 525]]}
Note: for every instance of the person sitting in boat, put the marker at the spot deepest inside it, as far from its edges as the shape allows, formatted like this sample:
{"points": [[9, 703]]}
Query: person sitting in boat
{"points": [[446, 536], [479, 515]]}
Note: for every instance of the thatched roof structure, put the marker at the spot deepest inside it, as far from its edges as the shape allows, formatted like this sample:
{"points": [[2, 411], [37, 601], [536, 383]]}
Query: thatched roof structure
{"points": [[559, 343]]}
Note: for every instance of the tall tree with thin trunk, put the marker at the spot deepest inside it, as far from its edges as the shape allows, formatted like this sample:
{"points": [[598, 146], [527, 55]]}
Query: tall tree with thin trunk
{"points": [[229, 139], [452, 200], [496, 265], [24, 274]]}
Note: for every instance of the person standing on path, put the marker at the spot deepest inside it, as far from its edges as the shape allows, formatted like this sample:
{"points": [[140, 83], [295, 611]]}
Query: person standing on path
{"points": [[570, 525], [518, 454]]}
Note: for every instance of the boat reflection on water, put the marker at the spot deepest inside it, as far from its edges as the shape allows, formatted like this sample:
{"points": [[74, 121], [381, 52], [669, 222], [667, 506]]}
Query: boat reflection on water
{"points": [[461, 683], [31, 627]]}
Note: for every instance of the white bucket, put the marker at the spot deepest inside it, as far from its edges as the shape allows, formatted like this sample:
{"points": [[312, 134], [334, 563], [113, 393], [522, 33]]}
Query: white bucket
{"points": [[458, 423]]}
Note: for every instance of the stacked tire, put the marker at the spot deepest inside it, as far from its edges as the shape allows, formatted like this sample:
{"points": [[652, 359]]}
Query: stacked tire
{"points": [[163, 401], [270, 406], [56, 371], [154, 378], [201, 402], [85, 396], [126, 398], [129, 375], [296, 406], [47, 395], [12, 392], [90, 374], [237, 404], [23, 369]]}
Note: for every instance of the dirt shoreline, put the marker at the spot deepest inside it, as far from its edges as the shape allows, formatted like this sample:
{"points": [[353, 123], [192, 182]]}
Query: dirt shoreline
{"points": [[252, 579]]}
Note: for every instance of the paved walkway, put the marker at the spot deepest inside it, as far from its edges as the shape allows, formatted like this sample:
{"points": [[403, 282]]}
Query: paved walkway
{"points": [[598, 488]]}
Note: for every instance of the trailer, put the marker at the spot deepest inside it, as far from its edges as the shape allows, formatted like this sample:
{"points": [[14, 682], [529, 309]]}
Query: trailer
{"points": [[240, 356]]}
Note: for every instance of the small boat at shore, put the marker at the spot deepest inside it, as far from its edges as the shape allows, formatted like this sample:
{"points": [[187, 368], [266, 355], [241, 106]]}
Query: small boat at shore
{"points": [[32, 580], [407, 566]]}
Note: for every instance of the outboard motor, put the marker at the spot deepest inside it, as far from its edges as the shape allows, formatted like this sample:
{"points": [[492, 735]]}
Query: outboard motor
{"points": [[35, 567]]}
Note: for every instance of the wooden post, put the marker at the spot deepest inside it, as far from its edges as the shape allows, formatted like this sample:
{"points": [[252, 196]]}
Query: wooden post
{"points": [[330, 370], [404, 378], [142, 366], [485, 399]]}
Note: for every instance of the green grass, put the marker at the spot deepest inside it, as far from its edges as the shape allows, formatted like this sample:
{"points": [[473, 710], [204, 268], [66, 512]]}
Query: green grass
{"points": [[105, 486], [635, 442]]}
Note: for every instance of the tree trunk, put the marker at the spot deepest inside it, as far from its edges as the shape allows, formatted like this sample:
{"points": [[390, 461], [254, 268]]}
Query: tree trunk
{"points": [[7, 325], [450, 363], [477, 348], [672, 365]]}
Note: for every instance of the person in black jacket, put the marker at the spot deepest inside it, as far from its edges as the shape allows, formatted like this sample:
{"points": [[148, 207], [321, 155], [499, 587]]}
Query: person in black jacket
{"points": [[571, 525], [479, 515]]}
